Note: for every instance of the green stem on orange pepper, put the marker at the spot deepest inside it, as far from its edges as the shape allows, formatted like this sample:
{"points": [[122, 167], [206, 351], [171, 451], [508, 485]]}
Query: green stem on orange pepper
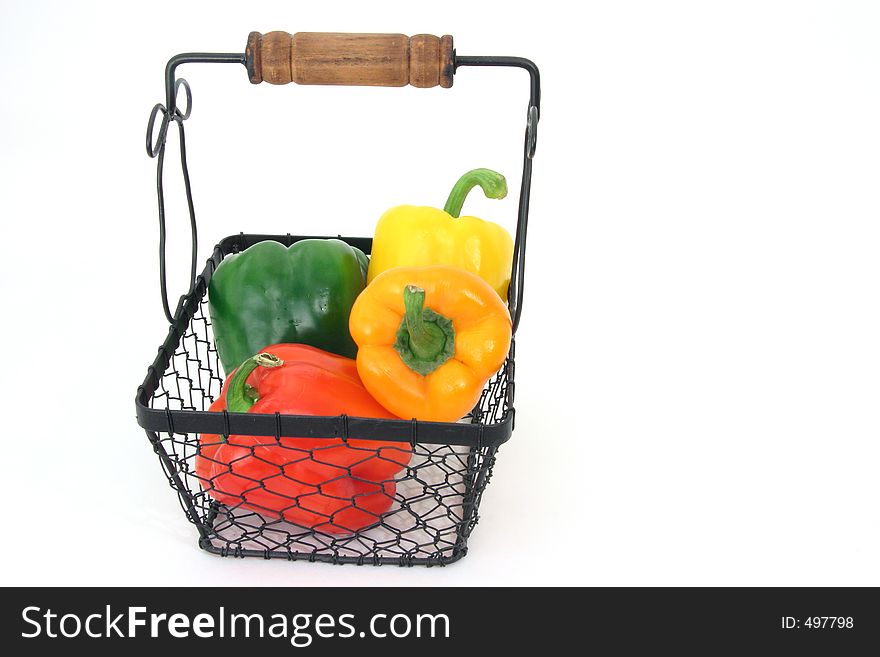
{"points": [[425, 339]]}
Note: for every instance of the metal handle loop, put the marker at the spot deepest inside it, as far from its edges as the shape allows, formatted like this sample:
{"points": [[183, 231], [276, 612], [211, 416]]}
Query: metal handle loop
{"points": [[157, 150], [153, 149]]}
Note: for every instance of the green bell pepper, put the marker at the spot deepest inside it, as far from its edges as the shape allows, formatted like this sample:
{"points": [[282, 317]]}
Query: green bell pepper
{"points": [[270, 294]]}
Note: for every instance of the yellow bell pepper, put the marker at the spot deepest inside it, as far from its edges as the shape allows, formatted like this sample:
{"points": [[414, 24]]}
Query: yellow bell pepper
{"points": [[410, 235], [428, 340]]}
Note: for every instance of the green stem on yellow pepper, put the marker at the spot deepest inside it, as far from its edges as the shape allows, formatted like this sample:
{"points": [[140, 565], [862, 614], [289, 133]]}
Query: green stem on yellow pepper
{"points": [[492, 183]]}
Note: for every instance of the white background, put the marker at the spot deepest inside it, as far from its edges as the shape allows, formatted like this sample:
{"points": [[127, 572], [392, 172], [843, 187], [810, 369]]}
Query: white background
{"points": [[698, 365]]}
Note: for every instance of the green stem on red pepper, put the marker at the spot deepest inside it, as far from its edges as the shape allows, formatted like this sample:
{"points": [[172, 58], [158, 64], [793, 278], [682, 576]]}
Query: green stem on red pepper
{"points": [[240, 396], [492, 183], [251, 393]]}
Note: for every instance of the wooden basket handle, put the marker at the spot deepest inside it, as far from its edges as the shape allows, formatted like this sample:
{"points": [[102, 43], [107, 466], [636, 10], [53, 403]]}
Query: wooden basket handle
{"points": [[383, 60]]}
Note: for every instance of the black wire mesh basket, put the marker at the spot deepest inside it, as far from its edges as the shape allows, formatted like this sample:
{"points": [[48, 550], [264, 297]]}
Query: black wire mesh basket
{"points": [[424, 508]]}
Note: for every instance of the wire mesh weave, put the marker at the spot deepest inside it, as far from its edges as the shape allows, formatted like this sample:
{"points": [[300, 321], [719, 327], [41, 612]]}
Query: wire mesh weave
{"points": [[421, 515]]}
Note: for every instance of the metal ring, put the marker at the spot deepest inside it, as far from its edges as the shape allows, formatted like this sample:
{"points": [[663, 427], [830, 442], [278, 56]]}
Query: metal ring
{"points": [[532, 131], [180, 82], [163, 130]]}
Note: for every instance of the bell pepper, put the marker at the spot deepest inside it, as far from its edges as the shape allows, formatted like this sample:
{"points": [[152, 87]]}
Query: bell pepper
{"points": [[409, 235], [270, 294], [313, 482], [428, 340]]}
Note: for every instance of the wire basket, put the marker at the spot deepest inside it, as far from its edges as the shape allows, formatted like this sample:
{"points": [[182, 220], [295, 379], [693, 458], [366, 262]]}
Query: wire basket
{"points": [[424, 506]]}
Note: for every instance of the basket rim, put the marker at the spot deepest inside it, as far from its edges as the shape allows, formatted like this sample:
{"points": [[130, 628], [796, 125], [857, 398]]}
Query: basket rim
{"points": [[296, 426], [459, 551]]}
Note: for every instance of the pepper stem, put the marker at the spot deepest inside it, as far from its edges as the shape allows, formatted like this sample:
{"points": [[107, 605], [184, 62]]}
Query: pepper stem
{"points": [[251, 393], [425, 339], [493, 184], [240, 396]]}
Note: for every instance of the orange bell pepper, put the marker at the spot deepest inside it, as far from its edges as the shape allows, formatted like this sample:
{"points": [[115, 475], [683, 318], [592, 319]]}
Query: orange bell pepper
{"points": [[428, 340]]}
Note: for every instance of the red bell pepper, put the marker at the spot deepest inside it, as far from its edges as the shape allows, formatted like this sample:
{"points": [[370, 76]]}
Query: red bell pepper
{"points": [[312, 482]]}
